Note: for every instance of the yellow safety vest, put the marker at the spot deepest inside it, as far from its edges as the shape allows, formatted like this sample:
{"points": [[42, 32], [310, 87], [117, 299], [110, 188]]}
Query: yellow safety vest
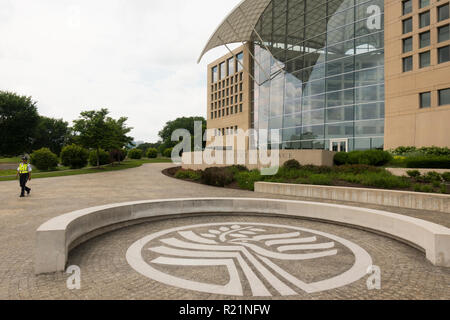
{"points": [[23, 168]]}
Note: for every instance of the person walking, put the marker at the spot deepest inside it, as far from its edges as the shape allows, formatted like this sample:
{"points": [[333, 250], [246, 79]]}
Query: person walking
{"points": [[24, 174]]}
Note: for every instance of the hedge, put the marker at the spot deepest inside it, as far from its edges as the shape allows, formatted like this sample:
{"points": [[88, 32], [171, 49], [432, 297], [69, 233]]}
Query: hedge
{"points": [[152, 153], [44, 159], [428, 162], [104, 157], [135, 154], [74, 156], [369, 157]]}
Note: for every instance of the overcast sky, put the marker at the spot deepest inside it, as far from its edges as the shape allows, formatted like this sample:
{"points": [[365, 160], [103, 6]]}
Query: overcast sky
{"points": [[138, 58]]}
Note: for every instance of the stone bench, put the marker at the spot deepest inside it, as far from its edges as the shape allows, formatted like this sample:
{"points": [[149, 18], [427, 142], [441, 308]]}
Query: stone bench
{"points": [[55, 238]]}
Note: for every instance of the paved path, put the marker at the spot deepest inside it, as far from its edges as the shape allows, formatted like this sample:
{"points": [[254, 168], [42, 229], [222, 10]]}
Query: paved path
{"points": [[407, 273]]}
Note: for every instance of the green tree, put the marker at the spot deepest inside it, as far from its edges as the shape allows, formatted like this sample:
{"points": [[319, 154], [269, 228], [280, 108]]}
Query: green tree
{"points": [[51, 133], [95, 130], [18, 121], [179, 123]]}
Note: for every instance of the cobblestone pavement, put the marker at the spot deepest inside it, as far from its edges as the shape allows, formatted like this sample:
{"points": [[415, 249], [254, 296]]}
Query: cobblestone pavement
{"points": [[406, 274]]}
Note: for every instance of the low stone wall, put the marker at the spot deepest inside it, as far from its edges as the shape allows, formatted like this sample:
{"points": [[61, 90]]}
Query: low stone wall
{"points": [[55, 238], [305, 157], [392, 198]]}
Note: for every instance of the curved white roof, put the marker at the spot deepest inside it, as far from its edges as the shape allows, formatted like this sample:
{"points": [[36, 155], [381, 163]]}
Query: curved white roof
{"points": [[238, 25]]}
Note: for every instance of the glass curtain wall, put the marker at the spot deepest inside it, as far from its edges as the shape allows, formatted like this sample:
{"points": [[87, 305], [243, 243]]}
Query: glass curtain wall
{"points": [[319, 71]]}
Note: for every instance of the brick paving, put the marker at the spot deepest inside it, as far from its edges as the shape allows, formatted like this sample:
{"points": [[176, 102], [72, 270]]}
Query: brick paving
{"points": [[406, 274]]}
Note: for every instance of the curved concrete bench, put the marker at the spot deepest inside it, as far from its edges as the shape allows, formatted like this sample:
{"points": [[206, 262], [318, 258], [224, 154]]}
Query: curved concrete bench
{"points": [[55, 238]]}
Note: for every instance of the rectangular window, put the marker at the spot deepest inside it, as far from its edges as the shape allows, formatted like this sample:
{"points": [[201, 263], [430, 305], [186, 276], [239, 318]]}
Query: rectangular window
{"points": [[407, 64], [407, 44], [425, 100], [240, 87], [424, 39], [444, 54], [444, 97], [424, 19], [223, 70], [240, 107], [424, 3], [240, 61], [424, 58], [443, 33], [231, 66], [407, 25], [407, 7], [443, 12], [212, 115], [214, 75]]}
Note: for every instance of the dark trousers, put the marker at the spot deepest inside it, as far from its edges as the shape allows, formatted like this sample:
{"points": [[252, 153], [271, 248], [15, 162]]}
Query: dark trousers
{"points": [[23, 183]]}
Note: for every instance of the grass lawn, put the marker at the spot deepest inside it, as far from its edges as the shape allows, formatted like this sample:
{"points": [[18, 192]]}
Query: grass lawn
{"points": [[8, 175], [10, 160]]}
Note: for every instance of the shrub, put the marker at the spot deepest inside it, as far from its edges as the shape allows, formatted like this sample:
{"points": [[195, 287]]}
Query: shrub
{"points": [[385, 181], [44, 159], [218, 177], [135, 154], [432, 162], [117, 155], [401, 151], [188, 174], [74, 156], [433, 176], [317, 169], [446, 176], [235, 169], [168, 153], [320, 179], [104, 157], [152, 153], [413, 173], [246, 180], [443, 189], [292, 164], [357, 169], [341, 158], [369, 157]]}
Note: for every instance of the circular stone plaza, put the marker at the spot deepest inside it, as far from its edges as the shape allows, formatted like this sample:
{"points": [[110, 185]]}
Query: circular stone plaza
{"points": [[169, 239]]}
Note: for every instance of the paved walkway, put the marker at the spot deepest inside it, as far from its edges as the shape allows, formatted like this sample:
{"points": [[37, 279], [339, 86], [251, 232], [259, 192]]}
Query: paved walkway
{"points": [[407, 273]]}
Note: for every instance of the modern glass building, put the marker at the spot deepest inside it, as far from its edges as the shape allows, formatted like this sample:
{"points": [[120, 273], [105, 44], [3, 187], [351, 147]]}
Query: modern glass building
{"points": [[317, 69]]}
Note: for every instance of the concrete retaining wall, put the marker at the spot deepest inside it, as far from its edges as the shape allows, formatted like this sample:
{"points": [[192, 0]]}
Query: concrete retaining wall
{"points": [[55, 238], [402, 199]]}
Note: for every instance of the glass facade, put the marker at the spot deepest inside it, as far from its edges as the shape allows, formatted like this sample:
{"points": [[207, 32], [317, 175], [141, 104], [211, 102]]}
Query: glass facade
{"points": [[319, 72]]}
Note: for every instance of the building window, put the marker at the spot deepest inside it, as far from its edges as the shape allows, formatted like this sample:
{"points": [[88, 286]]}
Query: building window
{"points": [[407, 6], [407, 25], [223, 70], [425, 100], [231, 66], [407, 44], [424, 39], [443, 12], [443, 33], [444, 97], [424, 19], [424, 59], [236, 109], [212, 115], [240, 107], [444, 54], [240, 87], [407, 64], [240, 61], [424, 3], [214, 75]]}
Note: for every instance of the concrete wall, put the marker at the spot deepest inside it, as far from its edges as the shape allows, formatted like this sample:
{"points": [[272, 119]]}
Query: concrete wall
{"points": [[55, 238], [402, 199], [305, 157]]}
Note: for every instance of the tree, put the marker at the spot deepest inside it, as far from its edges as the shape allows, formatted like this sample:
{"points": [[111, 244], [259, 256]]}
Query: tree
{"points": [[94, 129], [179, 123], [18, 121], [51, 133]]}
